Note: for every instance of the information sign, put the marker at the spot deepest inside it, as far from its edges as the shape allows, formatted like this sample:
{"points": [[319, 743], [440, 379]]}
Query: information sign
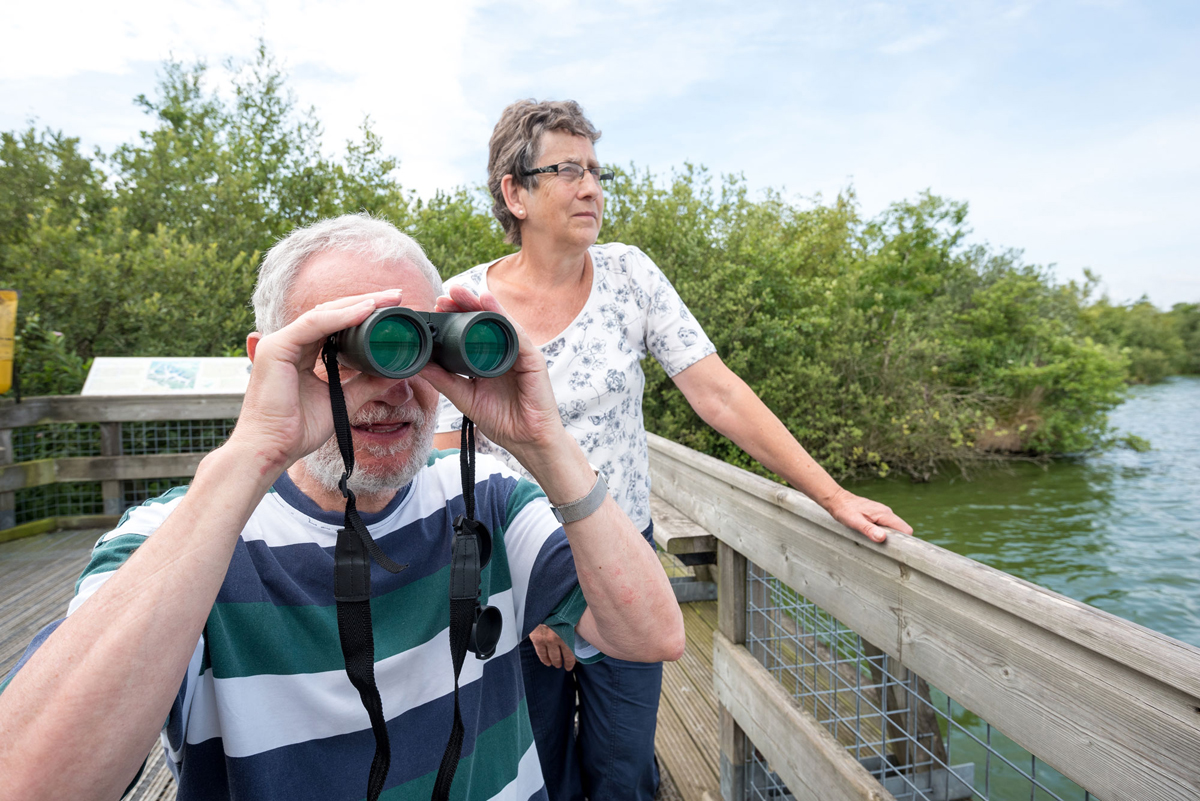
{"points": [[165, 375]]}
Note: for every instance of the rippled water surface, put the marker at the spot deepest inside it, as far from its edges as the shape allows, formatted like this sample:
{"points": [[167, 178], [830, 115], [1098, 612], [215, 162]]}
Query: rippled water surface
{"points": [[1120, 530]]}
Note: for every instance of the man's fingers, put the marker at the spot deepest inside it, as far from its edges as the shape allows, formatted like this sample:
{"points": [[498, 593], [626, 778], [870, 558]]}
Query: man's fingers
{"points": [[445, 303], [463, 298], [304, 335], [456, 388], [388, 297], [299, 341], [328, 318]]}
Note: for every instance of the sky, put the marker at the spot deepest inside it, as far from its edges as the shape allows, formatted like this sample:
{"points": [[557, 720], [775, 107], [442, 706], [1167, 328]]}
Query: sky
{"points": [[1071, 128]]}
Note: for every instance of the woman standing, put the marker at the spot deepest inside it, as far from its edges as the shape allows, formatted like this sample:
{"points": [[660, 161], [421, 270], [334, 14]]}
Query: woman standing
{"points": [[596, 311]]}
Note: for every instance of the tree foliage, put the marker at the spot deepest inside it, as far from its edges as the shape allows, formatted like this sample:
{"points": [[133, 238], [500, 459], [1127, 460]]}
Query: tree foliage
{"points": [[884, 344]]}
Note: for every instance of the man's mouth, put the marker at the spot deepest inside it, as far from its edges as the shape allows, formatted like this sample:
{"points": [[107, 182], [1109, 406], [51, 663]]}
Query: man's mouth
{"points": [[384, 428]]}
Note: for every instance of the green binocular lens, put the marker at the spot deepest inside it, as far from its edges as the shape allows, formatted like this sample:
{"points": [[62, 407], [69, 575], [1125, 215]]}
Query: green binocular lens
{"points": [[397, 342]]}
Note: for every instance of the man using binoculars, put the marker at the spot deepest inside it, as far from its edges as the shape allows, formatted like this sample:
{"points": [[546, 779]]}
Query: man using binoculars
{"points": [[213, 609]]}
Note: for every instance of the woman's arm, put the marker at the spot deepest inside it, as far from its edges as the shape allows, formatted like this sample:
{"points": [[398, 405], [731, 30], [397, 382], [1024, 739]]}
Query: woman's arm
{"points": [[727, 403]]}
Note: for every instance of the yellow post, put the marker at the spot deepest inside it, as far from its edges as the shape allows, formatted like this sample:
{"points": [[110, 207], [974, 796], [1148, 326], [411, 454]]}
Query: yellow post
{"points": [[8, 328]]}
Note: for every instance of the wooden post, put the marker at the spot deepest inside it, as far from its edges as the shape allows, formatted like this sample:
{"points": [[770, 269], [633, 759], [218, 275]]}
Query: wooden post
{"points": [[8, 500], [110, 491], [731, 620]]}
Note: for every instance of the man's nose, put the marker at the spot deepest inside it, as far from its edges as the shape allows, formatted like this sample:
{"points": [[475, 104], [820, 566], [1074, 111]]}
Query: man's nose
{"points": [[398, 393]]}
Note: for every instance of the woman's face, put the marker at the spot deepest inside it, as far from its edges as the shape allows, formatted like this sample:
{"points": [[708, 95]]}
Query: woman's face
{"points": [[568, 212]]}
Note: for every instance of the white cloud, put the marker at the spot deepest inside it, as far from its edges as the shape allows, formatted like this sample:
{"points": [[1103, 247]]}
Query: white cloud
{"points": [[915, 42]]}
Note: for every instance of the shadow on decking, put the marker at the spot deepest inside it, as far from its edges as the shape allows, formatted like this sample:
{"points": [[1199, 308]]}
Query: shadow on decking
{"points": [[37, 580]]}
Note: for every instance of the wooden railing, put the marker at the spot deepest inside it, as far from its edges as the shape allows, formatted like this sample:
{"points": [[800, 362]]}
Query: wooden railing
{"points": [[1113, 706], [111, 467]]}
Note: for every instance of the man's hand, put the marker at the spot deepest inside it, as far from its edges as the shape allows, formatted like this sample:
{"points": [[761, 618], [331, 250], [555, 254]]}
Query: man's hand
{"points": [[865, 515], [516, 410], [551, 649], [286, 413]]}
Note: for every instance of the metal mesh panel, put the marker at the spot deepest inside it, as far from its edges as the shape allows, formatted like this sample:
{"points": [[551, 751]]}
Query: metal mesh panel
{"points": [[674, 568], [174, 436], [64, 440], [137, 491], [58, 500], [919, 744], [55, 441]]}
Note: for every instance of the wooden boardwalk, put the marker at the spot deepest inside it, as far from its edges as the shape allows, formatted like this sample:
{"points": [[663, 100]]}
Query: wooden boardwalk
{"points": [[37, 579], [686, 740]]}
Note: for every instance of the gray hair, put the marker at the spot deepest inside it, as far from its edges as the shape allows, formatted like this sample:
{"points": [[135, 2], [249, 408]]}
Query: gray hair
{"points": [[358, 234], [516, 145]]}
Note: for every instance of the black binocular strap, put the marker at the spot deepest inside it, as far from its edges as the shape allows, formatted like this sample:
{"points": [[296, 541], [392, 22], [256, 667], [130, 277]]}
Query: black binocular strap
{"points": [[353, 553], [352, 556], [464, 595]]}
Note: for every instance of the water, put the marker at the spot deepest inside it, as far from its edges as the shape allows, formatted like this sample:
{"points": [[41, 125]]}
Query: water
{"points": [[1119, 530]]}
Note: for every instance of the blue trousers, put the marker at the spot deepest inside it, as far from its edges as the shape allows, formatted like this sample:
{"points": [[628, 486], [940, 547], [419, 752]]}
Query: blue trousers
{"points": [[611, 757]]}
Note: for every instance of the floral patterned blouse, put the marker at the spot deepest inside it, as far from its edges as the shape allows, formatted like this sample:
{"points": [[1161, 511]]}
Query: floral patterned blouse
{"points": [[595, 367]]}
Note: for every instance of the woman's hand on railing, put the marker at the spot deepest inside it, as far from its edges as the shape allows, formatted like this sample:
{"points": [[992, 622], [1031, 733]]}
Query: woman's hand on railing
{"points": [[865, 516]]}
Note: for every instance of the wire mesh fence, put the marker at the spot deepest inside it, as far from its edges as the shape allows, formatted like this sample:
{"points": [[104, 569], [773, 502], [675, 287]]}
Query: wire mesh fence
{"points": [[58, 500], [918, 743], [138, 491], [55, 441], [174, 436], [66, 440], [673, 566]]}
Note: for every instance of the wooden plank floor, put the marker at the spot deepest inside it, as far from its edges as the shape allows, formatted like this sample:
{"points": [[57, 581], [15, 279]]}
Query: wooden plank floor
{"points": [[686, 740], [37, 579]]}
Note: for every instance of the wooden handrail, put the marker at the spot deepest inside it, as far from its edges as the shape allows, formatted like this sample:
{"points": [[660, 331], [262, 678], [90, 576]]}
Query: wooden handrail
{"points": [[116, 409], [97, 468], [1112, 705]]}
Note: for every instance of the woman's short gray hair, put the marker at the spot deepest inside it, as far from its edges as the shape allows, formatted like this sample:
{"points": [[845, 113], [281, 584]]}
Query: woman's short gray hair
{"points": [[517, 143], [358, 234]]}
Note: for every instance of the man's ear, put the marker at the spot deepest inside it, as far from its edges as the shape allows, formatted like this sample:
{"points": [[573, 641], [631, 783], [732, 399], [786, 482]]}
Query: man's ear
{"points": [[252, 340]]}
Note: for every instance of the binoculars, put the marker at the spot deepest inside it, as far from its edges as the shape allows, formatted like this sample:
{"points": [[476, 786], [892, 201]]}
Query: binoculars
{"points": [[397, 343]]}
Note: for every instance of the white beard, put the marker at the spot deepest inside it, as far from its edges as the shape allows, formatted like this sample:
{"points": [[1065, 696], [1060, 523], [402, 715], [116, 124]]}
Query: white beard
{"points": [[324, 465]]}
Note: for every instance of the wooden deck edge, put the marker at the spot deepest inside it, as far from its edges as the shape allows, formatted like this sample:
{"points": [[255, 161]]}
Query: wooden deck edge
{"points": [[62, 523]]}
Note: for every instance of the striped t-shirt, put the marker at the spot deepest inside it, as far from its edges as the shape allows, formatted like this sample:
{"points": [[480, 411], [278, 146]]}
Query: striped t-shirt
{"points": [[266, 710]]}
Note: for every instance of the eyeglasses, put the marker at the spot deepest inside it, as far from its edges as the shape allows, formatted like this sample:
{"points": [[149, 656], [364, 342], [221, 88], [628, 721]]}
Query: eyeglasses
{"points": [[571, 172]]}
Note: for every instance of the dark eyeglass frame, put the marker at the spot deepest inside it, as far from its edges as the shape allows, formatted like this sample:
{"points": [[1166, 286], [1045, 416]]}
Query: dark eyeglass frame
{"points": [[601, 175]]}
